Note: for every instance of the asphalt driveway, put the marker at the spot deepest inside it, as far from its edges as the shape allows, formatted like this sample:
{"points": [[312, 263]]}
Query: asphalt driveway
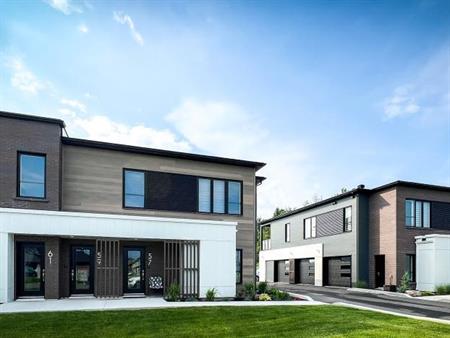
{"points": [[394, 303]]}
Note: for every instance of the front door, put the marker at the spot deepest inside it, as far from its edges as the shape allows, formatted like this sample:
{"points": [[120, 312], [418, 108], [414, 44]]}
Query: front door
{"points": [[133, 270], [82, 270], [379, 271], [31, 269]]}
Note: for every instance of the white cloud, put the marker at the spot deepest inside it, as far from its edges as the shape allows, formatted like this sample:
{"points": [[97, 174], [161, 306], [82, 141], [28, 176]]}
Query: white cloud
{"points": [[23, 79], [83, 28], [64, 6], [74, 104], [400, 103], [226, 129], [102, 128], [124, 19], [427, 92]]}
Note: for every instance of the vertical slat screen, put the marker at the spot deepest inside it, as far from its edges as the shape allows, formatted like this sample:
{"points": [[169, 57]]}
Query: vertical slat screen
{"points": [[182, 266], [107, 268]]}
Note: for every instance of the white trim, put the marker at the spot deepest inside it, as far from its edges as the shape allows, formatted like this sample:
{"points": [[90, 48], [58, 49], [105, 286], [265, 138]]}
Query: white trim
{"points": [[115, 216]]}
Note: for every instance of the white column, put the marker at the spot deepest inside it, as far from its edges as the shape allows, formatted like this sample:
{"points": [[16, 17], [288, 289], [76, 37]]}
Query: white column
{"points": [[6, 267]]}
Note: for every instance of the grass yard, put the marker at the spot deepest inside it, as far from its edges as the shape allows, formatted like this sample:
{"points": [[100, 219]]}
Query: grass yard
{"points": [[273, 321]]}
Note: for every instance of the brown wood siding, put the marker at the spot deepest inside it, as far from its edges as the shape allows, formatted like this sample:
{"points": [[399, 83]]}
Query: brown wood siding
{"points": [[92, 182]]}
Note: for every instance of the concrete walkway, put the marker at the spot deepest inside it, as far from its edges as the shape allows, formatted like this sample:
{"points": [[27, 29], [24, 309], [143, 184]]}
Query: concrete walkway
{"points": [[97, 304]]}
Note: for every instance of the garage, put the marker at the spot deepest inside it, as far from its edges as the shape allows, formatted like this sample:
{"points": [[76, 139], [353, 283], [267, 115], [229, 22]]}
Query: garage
{"points": [[338, 271], [307, 267], [282, 271]]}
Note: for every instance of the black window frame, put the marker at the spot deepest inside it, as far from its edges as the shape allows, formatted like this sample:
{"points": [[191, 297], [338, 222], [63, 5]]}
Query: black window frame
{"points": [[411, 258], [310, 228], [196, 191], [414, 218], [346, 228], [19, 169], [226, 212], [241, 256], [124, 206], [287, 232]]}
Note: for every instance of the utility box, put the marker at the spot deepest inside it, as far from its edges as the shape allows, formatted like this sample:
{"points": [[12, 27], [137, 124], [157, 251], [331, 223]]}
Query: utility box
{"points": [[432, 261]]}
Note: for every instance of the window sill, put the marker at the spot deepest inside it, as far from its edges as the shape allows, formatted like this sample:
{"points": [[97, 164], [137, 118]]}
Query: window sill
{"points": [[417, 228], [31, 199]]}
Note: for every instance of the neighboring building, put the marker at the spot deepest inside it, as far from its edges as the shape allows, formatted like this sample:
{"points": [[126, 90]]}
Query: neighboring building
{"points": [[86, 217], [362, 235]]}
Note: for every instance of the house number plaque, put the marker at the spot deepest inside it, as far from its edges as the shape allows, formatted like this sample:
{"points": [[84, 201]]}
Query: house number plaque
{"points": [[99, 257]]}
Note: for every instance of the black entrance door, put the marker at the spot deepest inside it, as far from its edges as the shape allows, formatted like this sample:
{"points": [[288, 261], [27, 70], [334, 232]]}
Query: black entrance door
{"points": [[31, 269], [82, 270], [379, 271], [133, 270]]}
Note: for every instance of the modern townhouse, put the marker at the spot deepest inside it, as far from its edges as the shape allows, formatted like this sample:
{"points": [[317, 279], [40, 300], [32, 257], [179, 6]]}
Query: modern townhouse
{"points": [[371, 235], [80, 217]]}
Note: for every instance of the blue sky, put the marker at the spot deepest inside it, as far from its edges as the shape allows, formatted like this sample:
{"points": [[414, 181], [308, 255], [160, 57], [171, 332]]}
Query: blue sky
{"points": [[330, 94]]}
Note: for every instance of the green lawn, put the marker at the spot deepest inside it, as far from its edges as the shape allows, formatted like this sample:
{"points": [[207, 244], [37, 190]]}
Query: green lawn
{"points": [[273, 321]]}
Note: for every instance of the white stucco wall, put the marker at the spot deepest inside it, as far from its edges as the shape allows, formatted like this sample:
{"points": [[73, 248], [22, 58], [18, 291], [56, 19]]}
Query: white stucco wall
{"points": [[217, 240], [306, 251], [432, 261]]}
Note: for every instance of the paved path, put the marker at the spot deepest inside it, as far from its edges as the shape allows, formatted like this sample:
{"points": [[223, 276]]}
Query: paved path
{"points": [[96, 304], [400, 304]]}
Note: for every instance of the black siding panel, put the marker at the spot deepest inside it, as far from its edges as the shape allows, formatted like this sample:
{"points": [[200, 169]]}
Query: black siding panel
{"points": [[440, 215], [172, 192], [330, 223]]}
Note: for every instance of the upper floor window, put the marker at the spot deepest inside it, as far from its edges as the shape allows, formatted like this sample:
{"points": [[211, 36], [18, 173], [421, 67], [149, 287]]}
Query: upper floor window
{"points": [[134, 182], [417, 214], [204, 195], [287, 232], [31, 175], [219, 196], [234, 198], [348, 219], [309, 227]]}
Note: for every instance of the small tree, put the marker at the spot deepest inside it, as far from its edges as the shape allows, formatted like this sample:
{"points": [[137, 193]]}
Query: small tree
{"points": [[404, 282], [249, 291], [173, 293]]}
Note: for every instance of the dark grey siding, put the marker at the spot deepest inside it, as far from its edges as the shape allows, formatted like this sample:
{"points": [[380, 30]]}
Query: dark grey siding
{"points": [[35, 137], [363, 238], [440, 215], [330, 223]]}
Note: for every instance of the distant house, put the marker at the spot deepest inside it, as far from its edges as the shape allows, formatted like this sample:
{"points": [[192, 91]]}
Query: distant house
{"points": [[366, 235], [83, 217]]}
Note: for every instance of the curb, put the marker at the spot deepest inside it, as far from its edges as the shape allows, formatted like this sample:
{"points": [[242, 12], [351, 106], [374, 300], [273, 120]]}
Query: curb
{"points": [[379, 292], [360, 307]]}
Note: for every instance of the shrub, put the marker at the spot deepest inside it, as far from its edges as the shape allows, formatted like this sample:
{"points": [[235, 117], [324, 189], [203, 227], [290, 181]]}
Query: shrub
{"points": [[173, 293], [262, 287], [404, 282], [211, 294], [443, 289], [264, 297], [249, 291], [276, 294], [361, 284]]}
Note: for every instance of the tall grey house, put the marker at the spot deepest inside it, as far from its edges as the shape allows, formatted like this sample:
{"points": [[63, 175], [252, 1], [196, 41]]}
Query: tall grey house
{"points": [[83, 217], [365, 235]]}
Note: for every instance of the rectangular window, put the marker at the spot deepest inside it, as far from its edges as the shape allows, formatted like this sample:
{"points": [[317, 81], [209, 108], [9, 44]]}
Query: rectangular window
{"points": [[411, 267], [219, 196], [234, 198], [134, 194], [287, 232], [238, 266], [31, 175], [309, 227], [348, 219], [204, 195], [417, 214]]}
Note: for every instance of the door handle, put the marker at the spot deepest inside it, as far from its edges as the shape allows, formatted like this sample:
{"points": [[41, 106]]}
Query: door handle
{"points": [[142, 274], [72, 274], [43, 275]]}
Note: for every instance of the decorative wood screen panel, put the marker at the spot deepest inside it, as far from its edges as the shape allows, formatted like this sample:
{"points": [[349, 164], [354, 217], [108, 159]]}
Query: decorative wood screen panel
{"points": [[107, 275], [182, 266]]}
